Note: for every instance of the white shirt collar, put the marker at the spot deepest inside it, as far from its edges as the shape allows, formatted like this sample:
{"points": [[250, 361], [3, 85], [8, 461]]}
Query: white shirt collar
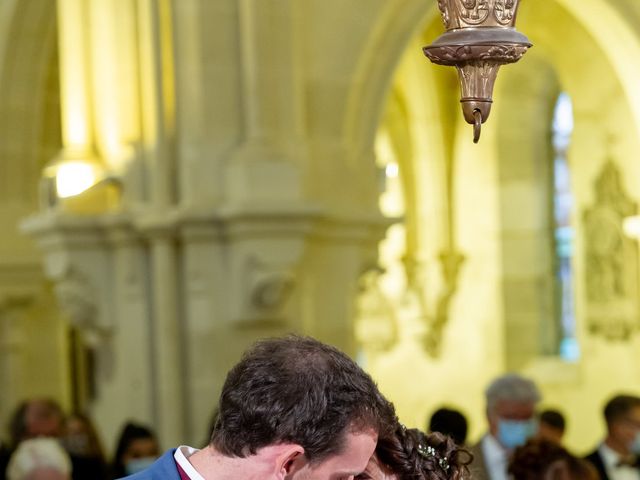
{"points": [[611, 458], [495, 457], [183, 452]]}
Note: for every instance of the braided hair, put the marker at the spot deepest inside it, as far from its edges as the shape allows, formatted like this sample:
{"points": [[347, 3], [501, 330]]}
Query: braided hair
{"points": [[412, 455]]}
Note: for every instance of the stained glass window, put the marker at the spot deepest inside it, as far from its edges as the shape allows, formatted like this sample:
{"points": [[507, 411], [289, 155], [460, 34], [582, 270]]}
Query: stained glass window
{"points": [[563, 229]]}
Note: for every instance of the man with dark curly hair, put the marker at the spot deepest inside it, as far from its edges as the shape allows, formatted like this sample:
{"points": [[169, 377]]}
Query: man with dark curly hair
{"points": [[292, 409], [618, 456]]}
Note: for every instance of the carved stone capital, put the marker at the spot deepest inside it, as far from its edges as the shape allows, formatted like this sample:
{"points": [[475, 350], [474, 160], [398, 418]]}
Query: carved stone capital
{"points": [[78, 300]]}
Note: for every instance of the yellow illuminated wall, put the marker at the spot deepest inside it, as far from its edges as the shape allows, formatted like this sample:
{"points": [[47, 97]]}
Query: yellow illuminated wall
{"points": [[328, 110], [495, 207]]}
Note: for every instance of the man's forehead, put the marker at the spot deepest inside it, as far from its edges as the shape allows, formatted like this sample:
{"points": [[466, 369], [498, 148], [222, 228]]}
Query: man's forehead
{"points": [[515, 406], [356, 452]]}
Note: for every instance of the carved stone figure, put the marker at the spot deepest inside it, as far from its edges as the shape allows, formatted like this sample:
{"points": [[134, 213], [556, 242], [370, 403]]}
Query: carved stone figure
{"points": [[376, 322], [611, 259]]}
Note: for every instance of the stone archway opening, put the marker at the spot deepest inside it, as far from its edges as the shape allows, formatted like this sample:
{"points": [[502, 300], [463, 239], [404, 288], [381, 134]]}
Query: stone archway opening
{"points": [[499, 215]]}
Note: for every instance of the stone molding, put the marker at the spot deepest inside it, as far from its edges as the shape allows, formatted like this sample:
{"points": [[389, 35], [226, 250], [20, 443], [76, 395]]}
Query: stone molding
{"points": [[265, 245]]}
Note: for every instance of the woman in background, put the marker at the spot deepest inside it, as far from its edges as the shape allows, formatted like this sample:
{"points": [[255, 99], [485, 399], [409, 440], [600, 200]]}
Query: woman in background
{"points": [[137, 449], [82, 443]]}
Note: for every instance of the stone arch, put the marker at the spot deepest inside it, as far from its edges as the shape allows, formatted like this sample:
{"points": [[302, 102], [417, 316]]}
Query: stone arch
{"points": [[617, 39], [401, 21], [29, 106]]}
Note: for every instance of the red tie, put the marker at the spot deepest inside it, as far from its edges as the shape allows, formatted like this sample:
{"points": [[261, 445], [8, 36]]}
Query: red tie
{"points": [[183, 474]]}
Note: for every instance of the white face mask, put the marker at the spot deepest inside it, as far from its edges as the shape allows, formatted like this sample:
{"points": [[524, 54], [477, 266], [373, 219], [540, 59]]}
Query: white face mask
{"points": [[138, 464]]}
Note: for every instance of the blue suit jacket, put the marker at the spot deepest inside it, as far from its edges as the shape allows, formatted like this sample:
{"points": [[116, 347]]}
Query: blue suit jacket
{"points": [[163, 469]]}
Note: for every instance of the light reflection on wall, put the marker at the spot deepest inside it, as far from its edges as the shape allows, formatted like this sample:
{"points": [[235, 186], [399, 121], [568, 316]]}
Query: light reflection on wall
{"points": [[393, 247]]}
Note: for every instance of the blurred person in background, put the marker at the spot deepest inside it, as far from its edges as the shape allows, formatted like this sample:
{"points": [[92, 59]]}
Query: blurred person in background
{"points": [[43, 417], [618, 456], [38, 417], [83, 444], [33, 418], [39, 459], [511, 401], [5, 454], [551, 426], [137, 449], [546, 460], [449, 422]]}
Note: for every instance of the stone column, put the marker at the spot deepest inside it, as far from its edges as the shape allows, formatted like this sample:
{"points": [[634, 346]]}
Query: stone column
{"points": [[156, 55], [12, 343]]}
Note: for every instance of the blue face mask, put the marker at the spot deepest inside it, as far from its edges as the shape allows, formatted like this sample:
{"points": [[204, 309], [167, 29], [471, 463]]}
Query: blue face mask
{"points": [[635, 445], [138, 465], [515, 433]]}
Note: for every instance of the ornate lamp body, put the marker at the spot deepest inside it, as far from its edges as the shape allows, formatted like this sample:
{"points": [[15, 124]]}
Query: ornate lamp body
{"points": [[480, 37]]}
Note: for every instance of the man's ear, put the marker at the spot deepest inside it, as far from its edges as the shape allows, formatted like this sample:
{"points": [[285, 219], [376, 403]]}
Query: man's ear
{"points": [[290, 460]]}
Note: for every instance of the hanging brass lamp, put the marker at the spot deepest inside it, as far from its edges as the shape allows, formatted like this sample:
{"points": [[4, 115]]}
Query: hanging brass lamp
{"points": [[480, 37]]}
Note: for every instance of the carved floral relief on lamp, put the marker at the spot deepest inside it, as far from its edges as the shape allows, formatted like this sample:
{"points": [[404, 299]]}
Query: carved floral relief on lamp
{"points": [[480, 37]]}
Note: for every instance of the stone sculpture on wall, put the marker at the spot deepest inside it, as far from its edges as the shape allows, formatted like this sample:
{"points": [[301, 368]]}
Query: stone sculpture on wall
{"points": [[267, 288], [77, 300], [611, 260], [376, 323]]}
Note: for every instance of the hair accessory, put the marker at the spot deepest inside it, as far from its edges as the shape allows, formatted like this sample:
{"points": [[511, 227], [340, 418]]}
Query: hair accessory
{"points": [[428, 451]]}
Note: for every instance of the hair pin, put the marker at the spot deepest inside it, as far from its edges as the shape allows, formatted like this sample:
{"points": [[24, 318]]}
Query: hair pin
{"points": [[428, 451]]}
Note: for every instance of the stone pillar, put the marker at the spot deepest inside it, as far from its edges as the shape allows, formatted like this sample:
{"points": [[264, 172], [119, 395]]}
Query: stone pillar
{"points": [[156, 56], [12, 343], [268, 164], [232, 232]]}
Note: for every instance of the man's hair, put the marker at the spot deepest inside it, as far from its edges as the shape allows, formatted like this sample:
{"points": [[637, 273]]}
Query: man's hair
{"points": [[619, 407], [553, 418], [513, 388], [297, 390], [449, 422]]}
